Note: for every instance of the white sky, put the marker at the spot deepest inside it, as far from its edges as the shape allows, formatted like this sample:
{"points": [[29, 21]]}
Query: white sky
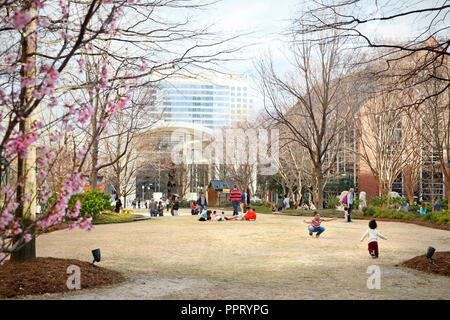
{"points": [[266, 19]]}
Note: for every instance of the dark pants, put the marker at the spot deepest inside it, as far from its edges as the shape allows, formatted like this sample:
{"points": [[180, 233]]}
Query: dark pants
{"points": [[373, 248], [153, 213], [349, 211], [235, 207]]}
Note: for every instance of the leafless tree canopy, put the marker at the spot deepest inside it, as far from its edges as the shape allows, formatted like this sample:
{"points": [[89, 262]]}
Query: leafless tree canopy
{"points": [[363, 24]]}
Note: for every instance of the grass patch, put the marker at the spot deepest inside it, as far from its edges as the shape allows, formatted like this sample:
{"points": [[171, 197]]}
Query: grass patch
{"points": [[327, 213], [106, 218]]}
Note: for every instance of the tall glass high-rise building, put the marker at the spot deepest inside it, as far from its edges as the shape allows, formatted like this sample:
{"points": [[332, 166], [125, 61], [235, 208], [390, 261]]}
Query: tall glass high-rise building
{"points": [[212, 101]]}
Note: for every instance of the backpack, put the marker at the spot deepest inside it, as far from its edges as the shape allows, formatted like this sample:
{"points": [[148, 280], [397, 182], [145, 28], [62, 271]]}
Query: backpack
{"points": [[344, 201]]}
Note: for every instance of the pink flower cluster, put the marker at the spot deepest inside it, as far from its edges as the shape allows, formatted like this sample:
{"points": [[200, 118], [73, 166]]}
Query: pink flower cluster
{"points": [[104, 78], [144, 66], [83, 224], [19, 145], [51, 76], [85, 113], [72, 185], [20, 19]]}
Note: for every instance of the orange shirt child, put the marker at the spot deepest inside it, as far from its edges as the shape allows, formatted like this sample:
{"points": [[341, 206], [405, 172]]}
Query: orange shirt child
{"points": [[251, 215]]}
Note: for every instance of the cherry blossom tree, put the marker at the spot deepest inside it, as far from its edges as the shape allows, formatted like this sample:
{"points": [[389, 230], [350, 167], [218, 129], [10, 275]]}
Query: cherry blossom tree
{"points": [[42, 70]]}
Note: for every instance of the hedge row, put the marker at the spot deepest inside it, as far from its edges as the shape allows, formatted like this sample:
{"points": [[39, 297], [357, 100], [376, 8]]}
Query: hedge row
{"points": [[441, 217]]}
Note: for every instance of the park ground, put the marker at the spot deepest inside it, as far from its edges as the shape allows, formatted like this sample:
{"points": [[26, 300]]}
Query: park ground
{"points": [[271, 258]]}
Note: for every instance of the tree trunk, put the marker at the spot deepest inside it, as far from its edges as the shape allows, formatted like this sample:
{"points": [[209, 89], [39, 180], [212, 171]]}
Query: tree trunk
{"points": [[94, 171], [26, 168], [318, 188]]}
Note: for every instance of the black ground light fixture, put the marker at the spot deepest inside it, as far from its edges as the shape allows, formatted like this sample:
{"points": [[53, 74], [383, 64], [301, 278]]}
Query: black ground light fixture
{"points": [[96, 255], [430, 253]]}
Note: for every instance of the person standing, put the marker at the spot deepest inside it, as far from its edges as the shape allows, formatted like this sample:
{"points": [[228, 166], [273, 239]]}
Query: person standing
{"points": [[280, 203], [235, 198], [286, 204], [202, 202], [161, 209], [118, 206], [153, 207], [243, 202], [350, 198], [167, 204], [436, 206], [175, 207]]}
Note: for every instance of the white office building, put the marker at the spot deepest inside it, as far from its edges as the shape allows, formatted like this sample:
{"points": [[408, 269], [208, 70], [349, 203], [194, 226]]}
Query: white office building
{"points": [[210, 101]]}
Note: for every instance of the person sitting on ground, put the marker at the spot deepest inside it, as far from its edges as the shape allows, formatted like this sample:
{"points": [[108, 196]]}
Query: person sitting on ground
{"points": [[194, 208], [405, 208], [312, 206], [208, 214], [249, 216], [314, 224], [423, 209], [304, 206], [217, 217], [203, 216]]}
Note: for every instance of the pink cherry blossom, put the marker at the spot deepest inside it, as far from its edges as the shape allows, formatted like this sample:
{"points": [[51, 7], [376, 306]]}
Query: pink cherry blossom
{"points": [[20, 19]]}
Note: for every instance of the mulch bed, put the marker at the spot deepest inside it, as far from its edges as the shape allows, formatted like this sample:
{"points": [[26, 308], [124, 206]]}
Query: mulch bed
{"points": [[418, 222], [49, 275], [441, 266]]}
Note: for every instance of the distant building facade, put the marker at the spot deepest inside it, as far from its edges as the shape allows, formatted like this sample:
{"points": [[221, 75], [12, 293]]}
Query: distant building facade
{"points": [[212, 101]]}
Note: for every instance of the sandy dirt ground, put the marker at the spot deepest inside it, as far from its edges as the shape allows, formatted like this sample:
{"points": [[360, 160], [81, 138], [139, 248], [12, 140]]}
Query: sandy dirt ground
{"points": [[272, 258]]}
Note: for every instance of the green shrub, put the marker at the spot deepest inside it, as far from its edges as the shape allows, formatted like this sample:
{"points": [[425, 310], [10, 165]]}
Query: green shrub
{"points": [[444, 204], [356, 204], [92, 203], [332, 203], [384, 212], [368, 211], [398, 215], [414, 209], [396, 202], [426, 217], [409, 216], [375, 201]]}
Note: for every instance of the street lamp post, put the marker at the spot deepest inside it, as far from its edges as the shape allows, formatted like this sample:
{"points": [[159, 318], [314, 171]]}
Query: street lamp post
{"points": [[4, 165]]}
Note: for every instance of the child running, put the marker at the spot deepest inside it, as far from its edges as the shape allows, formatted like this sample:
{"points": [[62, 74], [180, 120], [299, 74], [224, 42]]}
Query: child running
{"points": [[314, 224], [373, 237]]}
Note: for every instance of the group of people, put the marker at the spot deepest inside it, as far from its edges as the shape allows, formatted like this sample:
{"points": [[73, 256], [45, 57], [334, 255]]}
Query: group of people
{"points": [[157, 207], [208, 215], [238, 200]]}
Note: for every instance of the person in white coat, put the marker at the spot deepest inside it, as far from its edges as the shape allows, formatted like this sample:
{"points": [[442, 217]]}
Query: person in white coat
{"points": [[373, 235]]}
